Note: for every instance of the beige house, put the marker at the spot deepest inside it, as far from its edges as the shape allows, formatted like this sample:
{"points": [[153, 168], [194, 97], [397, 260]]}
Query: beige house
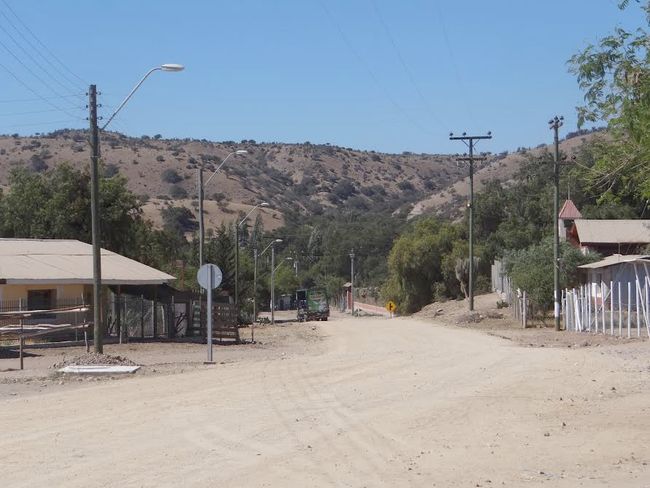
{"points": [[41, 273]]}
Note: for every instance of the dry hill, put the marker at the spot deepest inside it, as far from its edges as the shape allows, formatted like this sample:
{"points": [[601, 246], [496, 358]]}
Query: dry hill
{"points": [[450, 201], [304, 178]]}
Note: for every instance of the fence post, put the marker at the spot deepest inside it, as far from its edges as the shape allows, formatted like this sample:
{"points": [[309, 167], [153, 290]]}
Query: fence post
{"points": [[22, 339], [629, 309], [637, 292], [524, 321], [620, 311], [611, 308]]}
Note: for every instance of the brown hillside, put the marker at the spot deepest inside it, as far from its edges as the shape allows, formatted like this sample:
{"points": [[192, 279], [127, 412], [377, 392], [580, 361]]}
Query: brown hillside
{"points": [[305, 178], [450, 201]]}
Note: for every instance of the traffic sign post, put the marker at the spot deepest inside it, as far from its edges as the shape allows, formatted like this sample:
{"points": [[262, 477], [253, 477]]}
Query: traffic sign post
{"points": [[209, 277], [391, 307]]}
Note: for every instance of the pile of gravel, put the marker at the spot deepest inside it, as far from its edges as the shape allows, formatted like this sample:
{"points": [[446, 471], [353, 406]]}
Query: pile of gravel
{"points": [[94, 359]]}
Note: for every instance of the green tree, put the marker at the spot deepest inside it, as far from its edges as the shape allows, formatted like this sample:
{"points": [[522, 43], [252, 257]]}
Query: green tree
{"points": [[615, 76], [531, 269]]}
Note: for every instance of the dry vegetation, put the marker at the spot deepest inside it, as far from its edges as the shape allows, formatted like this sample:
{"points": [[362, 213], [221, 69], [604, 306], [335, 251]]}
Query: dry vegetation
{"points": [[307, 178]]}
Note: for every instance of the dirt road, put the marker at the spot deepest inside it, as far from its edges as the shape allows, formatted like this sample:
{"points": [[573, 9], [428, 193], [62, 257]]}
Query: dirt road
{"points": [[380, 403]]}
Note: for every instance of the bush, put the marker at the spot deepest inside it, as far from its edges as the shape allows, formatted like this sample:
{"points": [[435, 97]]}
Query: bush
{"points": [[177, 191], [171, 176], [111, 170]]}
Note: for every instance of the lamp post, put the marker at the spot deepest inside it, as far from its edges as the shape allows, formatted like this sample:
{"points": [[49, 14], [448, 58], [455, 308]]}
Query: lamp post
{"points": [[272, 247], [273, 270], [262, 204], [98, 329], [352, 281], [201, 188]]}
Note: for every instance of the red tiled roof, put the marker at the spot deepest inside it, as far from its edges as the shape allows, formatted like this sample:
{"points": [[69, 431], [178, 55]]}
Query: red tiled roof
{"points": [[569, 211]]}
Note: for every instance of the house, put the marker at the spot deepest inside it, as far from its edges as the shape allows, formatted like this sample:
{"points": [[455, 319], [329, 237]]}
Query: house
{"points": [[46, 273], [609, 237]]}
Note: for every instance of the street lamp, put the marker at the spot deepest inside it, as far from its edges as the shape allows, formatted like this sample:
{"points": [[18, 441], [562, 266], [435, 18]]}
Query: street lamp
{"points": [[202, 186], [94, 196], [272, 246], [262, 204], [273, 270]]}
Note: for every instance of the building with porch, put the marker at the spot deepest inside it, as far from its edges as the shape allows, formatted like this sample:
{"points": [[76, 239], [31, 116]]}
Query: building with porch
{"points": [[42, 274]]}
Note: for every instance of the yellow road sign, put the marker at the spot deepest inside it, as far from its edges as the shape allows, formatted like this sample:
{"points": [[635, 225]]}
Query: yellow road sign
{"points": [[390, 306]]}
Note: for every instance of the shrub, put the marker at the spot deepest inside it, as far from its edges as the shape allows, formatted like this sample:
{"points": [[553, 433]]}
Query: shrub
{"points": [[177, 191], [171, 176]]}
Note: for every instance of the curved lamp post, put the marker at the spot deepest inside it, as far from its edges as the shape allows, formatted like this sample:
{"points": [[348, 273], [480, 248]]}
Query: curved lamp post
{"points": [[272, 246], [202, 186], [273, 270], [98, 329]]}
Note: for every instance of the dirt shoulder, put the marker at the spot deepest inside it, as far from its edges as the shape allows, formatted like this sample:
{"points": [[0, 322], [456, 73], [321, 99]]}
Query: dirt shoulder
{"points": [[499, 322], [155, 358]]}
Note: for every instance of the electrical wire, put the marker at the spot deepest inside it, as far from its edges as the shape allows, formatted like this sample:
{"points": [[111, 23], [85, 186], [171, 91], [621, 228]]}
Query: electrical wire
{"points": [[45, 48], [26, 100], [34, 60], [31, 112], [372, 75], [48, 102], [34, 75], [405, 66], [452, 60], [51, 122]]}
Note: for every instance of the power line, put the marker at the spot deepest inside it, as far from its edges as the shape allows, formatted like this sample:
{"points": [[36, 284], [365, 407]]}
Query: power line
{"points": [[26, 100], [452, 60], [45, 48], [51, 104], [33, 74], [51, 122], [372, 75], [31, 112], [408, 71], [29, 55]]}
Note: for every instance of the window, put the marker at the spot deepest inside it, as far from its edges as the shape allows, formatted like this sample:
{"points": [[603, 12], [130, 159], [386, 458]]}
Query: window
{"points": [[40, 299]]}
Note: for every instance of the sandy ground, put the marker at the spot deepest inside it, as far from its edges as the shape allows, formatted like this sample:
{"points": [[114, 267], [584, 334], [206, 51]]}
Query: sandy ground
{"points": [[353, 402]]}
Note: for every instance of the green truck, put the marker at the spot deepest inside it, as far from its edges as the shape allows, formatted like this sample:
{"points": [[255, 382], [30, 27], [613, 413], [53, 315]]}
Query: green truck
{"points": [[312, 304]]}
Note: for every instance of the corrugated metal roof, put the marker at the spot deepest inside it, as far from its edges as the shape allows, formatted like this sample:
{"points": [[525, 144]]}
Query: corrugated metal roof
{"points": [[613, 231], [67, 261], [617, 259], [569, 211]]}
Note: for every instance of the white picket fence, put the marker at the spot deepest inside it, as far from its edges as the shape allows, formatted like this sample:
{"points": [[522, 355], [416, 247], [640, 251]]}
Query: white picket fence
{"points": [[614, 308]]}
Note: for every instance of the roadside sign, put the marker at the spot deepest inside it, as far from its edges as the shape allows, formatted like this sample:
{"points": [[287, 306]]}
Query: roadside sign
{"points": [[209, 276], [390, 306]]}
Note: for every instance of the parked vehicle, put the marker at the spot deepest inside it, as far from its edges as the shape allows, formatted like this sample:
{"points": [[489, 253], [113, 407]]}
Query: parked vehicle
{"points": [[313, 304]]}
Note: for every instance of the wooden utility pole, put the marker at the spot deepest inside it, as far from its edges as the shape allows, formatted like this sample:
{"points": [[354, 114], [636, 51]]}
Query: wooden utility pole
{"points": [[352, 281], [555, 124], [98, 329], [469, 142]]}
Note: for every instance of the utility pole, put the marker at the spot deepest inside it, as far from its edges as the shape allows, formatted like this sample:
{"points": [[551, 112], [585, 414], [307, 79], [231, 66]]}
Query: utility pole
{"points": [[272, 285], [554, 124], [237, 268], [201, 225], [352, 281], [469, 142], [254, 293], [98, 329]]}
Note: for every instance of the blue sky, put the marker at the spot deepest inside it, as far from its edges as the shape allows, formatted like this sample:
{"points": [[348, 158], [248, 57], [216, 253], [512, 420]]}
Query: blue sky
{"points": [[386, 75]]}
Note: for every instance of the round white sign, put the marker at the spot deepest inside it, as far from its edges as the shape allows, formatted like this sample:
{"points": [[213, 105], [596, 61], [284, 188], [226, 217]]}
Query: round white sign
{"points": [[206, 272]]}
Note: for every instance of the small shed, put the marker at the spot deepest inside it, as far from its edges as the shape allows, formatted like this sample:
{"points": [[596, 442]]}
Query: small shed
{"points": [[618, 270]]}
